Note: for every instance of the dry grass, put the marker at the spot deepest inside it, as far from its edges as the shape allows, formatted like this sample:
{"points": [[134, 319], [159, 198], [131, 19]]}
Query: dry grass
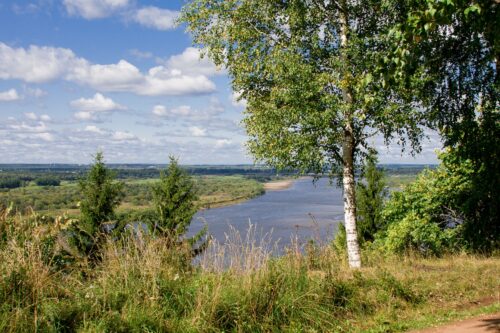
{"points": [[141, 285]]}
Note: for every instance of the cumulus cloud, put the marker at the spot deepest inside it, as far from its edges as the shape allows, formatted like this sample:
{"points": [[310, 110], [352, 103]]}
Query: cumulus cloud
{"points": [[123, 136], [94, 129], [190, 62], [42, 64], [34, 116], [237, 100], [9, 96], [186, 112], [33, 141], [94, 9], [91, 108], [197, 131], [31, 116], [160, 111], [45, 136], [222, 143], [156, 18], [36, 64], [98, 103]]}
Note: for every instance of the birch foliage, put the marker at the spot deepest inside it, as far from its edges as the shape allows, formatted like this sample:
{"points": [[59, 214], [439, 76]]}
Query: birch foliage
{"points": [[308, 71]]}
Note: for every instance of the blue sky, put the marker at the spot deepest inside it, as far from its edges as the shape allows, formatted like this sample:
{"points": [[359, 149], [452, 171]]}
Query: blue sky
{"points": [[77, 76]]}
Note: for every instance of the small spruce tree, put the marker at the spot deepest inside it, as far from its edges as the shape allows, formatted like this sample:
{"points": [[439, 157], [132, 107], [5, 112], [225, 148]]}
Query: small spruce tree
{"points": [[174, 198], [100, 196], [370, 195]]}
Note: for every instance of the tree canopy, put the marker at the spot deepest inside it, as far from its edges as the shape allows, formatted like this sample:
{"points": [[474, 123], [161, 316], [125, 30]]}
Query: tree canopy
{"points": [[308, 70], [448, 53]]}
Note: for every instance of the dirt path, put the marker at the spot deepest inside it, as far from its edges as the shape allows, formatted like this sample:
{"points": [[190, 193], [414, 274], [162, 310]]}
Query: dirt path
{"points": [[482, 324]]}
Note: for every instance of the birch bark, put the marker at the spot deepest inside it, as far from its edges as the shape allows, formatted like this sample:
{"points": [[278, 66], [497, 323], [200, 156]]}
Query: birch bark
{"points": [[348, 147]]}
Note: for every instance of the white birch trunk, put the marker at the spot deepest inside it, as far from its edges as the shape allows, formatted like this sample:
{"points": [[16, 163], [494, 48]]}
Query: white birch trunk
{"points": [[348, 155], [350, 200]]}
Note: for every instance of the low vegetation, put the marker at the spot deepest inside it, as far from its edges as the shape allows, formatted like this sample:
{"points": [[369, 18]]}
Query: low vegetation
{"points": [[110, 271], [212, 190], [144, 285]]}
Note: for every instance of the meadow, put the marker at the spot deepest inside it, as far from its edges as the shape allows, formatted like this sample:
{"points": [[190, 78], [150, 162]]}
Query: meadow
{"points": [[215, 185], [142, 285], [212, 190]]}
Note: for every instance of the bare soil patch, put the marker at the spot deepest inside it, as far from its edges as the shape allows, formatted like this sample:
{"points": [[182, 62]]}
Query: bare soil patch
{"points": [[481, 324]]}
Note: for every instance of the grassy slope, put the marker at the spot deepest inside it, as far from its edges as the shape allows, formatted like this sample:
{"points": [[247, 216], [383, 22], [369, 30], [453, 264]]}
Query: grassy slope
{"points": [[145, 287]]}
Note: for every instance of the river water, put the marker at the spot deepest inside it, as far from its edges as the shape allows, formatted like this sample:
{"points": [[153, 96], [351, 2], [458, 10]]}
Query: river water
{"points": [[304, 211]]}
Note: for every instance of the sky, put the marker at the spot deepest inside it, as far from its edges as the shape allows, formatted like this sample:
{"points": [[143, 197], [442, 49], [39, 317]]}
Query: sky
{"points": [[119, 76]]}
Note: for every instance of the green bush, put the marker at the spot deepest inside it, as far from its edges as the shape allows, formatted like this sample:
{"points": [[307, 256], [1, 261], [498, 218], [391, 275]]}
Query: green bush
{"points": [[418, 234], [47, 181], [10, 182], [432, 215]]}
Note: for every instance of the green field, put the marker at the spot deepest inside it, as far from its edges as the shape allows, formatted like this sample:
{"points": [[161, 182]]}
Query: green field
{"points": [[213, 191]]}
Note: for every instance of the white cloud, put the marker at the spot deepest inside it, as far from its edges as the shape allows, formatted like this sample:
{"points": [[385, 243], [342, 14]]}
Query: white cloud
{"points": [[122, 76], [197, 131], [45, 136], [43, 64], [85, 115], [179, 111], [94, 129], [183, 110], [98, 103], [160, 111], [26, 128], [9, 95], [237, 101], [36, 64], [190, 62], [123, 136], [31, 116], [45, 117], [94, 9], [222, 143], [156, 18], [187, 113]]}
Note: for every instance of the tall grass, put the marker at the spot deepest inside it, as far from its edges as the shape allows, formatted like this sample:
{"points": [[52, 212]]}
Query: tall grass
{"points": [[142, 285]]}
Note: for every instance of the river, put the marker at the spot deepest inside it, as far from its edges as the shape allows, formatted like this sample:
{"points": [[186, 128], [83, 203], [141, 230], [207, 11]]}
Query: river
{"points": [[303, 211]]}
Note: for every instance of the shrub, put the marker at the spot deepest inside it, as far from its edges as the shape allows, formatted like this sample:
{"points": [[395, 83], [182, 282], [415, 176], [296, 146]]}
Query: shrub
{"points": [[418, 234], [10, 183], [428, 214], [47, 181]]}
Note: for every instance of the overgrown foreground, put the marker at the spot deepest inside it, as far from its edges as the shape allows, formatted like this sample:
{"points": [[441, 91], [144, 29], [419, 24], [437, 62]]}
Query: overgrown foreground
{"points": [[142, 286]]}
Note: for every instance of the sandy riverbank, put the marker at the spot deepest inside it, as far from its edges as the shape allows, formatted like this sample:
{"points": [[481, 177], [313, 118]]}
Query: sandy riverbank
{"points": [[278, 185]]}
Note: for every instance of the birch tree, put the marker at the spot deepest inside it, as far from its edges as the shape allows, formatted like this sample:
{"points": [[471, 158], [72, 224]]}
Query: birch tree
{"points": [[307, 69]]}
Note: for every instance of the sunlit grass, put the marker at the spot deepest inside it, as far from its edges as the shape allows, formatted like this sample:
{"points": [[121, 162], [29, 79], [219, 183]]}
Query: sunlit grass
{"points": [[143, 286]]}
